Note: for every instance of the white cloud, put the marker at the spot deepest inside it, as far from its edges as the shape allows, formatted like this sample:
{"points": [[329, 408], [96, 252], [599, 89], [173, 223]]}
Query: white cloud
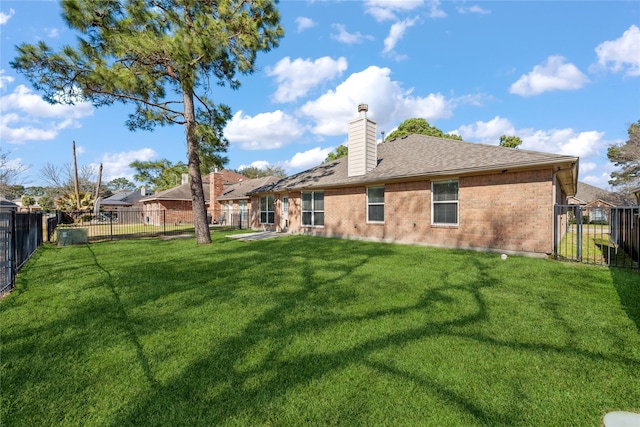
{"points": [[385, 10], [473, 9], [600, 181], [23, 99], [116, 165], [295, 78], [4, 17], [4, 80], [556, 141], [435, 11], [396, 33], [53, 33], [622, 53], [260, 164], [308, 159], [553, 74], [487, 132], [587, 167], [304, 23], [345, 37], [27, 117], [388, 103], [263, 131]]}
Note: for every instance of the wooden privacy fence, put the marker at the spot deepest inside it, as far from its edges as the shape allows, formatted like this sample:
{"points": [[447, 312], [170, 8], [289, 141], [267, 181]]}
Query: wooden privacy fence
{"points": [[598, 235]]}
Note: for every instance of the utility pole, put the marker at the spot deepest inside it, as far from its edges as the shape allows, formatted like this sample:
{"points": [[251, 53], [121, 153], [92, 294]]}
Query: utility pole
{"points": [[75, 177]]}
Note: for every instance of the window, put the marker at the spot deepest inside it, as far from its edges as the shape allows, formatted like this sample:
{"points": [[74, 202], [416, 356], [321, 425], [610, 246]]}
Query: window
{"points": [[313, 208], [444, 202], [375, 204], [267, 212]]}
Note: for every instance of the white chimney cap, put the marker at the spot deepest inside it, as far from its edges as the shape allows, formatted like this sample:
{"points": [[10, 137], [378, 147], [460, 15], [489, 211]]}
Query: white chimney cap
{"points": [[363, 107]]}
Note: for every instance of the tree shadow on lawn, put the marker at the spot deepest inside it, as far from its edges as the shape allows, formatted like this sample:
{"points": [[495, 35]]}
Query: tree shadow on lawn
{"points": [[236, 377], [627, 284], [215, 390]]}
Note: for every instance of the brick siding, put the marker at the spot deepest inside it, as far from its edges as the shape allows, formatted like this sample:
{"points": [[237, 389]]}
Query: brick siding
{"points": [[508, 211]]}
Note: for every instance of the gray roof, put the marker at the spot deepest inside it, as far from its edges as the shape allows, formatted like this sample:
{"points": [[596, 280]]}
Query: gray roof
{"points": [[418, 156], [588, 193], [240, 190], [181, 192], [123, 198]]}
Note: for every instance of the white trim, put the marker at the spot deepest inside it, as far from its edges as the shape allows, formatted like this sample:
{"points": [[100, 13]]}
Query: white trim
{"points": [[456, 202]]}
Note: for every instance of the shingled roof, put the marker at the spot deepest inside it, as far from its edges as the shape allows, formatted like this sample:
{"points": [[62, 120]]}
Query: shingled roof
{"points": [[181, 192], [588, 193], [419, 156], [240, 190]]}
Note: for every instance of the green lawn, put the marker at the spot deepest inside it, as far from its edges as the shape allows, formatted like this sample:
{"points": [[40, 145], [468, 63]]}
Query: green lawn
{"points": [[313, 331]]}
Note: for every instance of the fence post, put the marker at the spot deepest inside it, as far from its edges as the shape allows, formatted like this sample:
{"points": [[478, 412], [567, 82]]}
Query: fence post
{"points": [[164, 222], [579, 231], [110, 225], [13, 250]]}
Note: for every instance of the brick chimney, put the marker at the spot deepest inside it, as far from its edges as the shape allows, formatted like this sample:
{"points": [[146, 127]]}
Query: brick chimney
{"points": [[216, 189], [363, 152]]}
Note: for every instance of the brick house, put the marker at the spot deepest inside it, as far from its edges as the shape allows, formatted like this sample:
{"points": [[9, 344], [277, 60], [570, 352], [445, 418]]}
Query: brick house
{"points": [[596, 202], [423, 190], [176, 205]]}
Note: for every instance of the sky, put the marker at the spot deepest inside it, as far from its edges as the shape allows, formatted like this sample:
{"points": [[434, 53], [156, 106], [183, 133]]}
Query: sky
{"points": [[564, 76]]}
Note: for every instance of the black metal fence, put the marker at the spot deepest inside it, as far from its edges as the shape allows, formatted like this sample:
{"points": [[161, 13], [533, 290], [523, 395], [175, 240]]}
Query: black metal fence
{"points": [[598, 235], [129, 224], [20, 237]]}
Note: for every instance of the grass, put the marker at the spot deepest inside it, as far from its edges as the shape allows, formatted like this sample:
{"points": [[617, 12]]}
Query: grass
{"points": [[314, 331], [597, 247]]}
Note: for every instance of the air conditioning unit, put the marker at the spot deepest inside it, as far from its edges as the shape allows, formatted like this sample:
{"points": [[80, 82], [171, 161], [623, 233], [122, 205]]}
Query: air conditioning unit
{"points": [[71, 236]]}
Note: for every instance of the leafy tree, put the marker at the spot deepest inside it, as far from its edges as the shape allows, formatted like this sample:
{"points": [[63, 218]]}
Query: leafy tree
{"points": [[340, 151], [627, 157], [121, 184], [28, 201], [35, 191], [67, 202], [159, 174], [419, 126], [162, 56], [46, 203], [252, 172], [510, 141]]}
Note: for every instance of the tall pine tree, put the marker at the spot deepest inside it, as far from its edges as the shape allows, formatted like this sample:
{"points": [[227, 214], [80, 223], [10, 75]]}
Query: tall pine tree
{"points": [[162, 56], [626, 157]]}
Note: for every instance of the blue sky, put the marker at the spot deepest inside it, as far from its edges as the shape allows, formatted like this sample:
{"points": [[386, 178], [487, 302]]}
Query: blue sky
{"points": [[562, 76]]}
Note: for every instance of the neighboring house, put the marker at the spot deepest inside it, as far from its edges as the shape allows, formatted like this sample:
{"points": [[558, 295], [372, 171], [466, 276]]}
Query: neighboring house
{"points": [[225, 197], [424, 190], [33, 208], [236, 202], [7, 205], [596, 202], [124, 199]]}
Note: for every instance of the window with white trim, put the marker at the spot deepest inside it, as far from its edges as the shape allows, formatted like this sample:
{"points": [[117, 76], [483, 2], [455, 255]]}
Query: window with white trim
{"points": [[375, 204], [267, 211], [444, 202], [313, 208]]}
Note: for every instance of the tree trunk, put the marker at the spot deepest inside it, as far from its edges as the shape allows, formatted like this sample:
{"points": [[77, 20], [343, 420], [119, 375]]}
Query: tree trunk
{"points": [[203, 235]]}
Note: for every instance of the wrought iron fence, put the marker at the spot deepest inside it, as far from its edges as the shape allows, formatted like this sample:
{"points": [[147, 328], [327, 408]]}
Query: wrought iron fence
{"points": [[130, 224], [20, 237], [598, 235]]}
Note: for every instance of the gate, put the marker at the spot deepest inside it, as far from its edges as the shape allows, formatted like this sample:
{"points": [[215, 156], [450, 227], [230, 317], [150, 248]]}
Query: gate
{"points": [[597, 235]]}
